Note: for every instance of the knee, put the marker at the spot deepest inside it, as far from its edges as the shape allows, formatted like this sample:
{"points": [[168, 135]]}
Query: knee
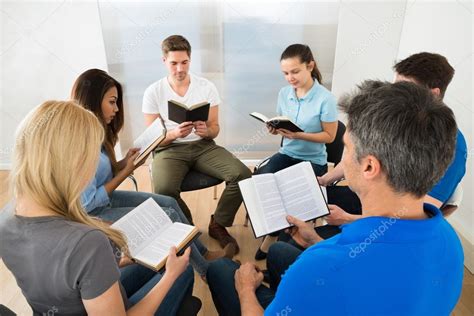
{"points": [[219, 270], [277, 251], [238, 172], [172, 214], [163, 188], [165, 200]]}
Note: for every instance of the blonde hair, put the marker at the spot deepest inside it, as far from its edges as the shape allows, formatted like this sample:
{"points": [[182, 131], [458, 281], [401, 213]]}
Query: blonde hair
{"points": [[55, 156]]}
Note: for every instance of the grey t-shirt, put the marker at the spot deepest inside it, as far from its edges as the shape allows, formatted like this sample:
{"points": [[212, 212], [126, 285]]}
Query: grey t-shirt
{"points": [[56, 262]]}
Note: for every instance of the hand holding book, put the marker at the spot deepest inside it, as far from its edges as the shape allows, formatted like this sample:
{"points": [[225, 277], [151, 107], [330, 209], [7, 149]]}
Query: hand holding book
{"points": [[302, 232], [175, 265]]}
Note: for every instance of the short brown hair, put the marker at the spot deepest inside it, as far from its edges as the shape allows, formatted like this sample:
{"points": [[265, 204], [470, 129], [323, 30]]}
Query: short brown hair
{"points": [[175, 43], [428, 69]]}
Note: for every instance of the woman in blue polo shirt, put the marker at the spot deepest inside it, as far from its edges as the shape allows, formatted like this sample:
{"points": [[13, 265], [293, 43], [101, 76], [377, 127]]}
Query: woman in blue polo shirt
{"points": [[310, 106]]}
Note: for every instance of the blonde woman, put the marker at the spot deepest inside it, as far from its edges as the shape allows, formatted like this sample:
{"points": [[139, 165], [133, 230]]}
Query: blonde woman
{"points": [[66, 262]]}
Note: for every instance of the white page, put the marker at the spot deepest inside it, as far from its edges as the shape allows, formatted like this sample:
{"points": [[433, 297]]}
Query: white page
{"points": [[300, 192], [158, 249], [260, 116], [149, 136], [252, 204], [142, 225], [271, 202]]}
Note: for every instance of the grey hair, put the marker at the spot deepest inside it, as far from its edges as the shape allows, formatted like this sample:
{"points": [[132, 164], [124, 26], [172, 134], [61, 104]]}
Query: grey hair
{"points": [[411, 133]]}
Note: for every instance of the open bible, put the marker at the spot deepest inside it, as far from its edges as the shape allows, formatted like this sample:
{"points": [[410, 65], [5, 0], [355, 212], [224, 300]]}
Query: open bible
{"points": [[179, 112], [150, 234], [270, 197], [277, 122], [150, 139]]}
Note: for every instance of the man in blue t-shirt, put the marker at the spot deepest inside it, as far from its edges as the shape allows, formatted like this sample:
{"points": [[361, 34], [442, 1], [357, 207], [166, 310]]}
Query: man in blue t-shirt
{"points": [[434, 72], [402, 257]]}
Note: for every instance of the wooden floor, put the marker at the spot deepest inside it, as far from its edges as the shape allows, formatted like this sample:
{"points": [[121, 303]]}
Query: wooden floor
{"points": [[202, 205]]}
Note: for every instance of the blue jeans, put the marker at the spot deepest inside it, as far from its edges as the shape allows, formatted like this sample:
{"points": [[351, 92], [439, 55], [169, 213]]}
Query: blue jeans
{"points": [[220, 277], [122, 202], [138, 281], [281, 161]]}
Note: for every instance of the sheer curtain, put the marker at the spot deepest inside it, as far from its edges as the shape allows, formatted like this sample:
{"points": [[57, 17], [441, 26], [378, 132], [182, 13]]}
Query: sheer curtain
{"points": [[236, 45]]}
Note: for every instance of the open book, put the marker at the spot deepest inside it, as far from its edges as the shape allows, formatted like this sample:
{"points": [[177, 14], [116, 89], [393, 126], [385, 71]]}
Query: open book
{"points": [[277, 122], [270, 197], [150, 234], [179, 112], [150, 139]]}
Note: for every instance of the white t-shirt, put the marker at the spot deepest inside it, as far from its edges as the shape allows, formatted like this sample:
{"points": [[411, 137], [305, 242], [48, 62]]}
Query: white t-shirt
{"points": [[157, 95]]}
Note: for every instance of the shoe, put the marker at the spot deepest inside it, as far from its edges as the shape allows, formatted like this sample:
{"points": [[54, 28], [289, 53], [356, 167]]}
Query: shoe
{"points": [[190, 306], [260, 255], [266, 276], [219, 233], [227, 252]]}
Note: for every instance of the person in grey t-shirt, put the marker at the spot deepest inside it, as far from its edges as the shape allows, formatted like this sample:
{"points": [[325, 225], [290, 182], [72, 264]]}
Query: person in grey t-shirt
{"points": [[65, 262]]}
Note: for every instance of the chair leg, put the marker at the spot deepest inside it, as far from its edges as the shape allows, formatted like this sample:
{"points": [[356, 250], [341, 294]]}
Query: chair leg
{"points": [[215, 192]]}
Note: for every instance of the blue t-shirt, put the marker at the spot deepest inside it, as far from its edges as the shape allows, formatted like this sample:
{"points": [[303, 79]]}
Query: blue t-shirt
{"points": [[95, 194], [377, 266], [318, 105], [443, 190]]}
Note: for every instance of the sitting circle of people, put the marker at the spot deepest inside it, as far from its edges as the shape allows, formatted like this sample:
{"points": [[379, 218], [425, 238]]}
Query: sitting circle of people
{"points": [[403, 158]]}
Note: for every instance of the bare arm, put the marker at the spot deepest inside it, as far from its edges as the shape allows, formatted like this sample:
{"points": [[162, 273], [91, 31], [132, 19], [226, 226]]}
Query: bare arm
{"points": [[337, 173], [247, 279], [249, 305], [326, 136], [122, 174]]}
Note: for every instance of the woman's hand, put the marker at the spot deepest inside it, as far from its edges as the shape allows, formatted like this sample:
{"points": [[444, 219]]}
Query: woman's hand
{"points": [[125, 261], [288, 134], [271, 129], [129, 165], [176, 265]]}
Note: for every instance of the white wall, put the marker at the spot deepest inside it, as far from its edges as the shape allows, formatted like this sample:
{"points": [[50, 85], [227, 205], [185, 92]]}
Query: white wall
{"points": [[446, 28], [368, 39], [44, 47]]}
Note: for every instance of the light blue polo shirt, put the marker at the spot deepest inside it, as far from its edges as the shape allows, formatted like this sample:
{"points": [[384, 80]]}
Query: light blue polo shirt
{"points": [[377, 266], [318, 105]]}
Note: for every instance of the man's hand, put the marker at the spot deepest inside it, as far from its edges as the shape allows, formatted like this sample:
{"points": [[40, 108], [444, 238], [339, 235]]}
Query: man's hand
{"points": [[288, 134], [303, 233], [247, 278], [182, 130], [338, 216], [200, 129]]}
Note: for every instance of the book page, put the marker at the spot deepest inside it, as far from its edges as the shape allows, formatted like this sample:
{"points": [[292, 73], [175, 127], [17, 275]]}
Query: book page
{"points": [[148, 137], [300, 192], [142, 225], [271, 202], [157, 250], [259, 116]]}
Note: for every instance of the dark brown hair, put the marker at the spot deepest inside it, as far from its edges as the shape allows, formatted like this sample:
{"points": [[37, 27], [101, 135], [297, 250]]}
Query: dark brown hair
{"points": [[175, 43], [303, 52], [89, 91], [428, 69]]}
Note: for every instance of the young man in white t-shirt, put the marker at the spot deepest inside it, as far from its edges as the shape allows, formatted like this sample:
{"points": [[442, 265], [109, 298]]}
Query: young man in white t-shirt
{"points": [[190, 145]]}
